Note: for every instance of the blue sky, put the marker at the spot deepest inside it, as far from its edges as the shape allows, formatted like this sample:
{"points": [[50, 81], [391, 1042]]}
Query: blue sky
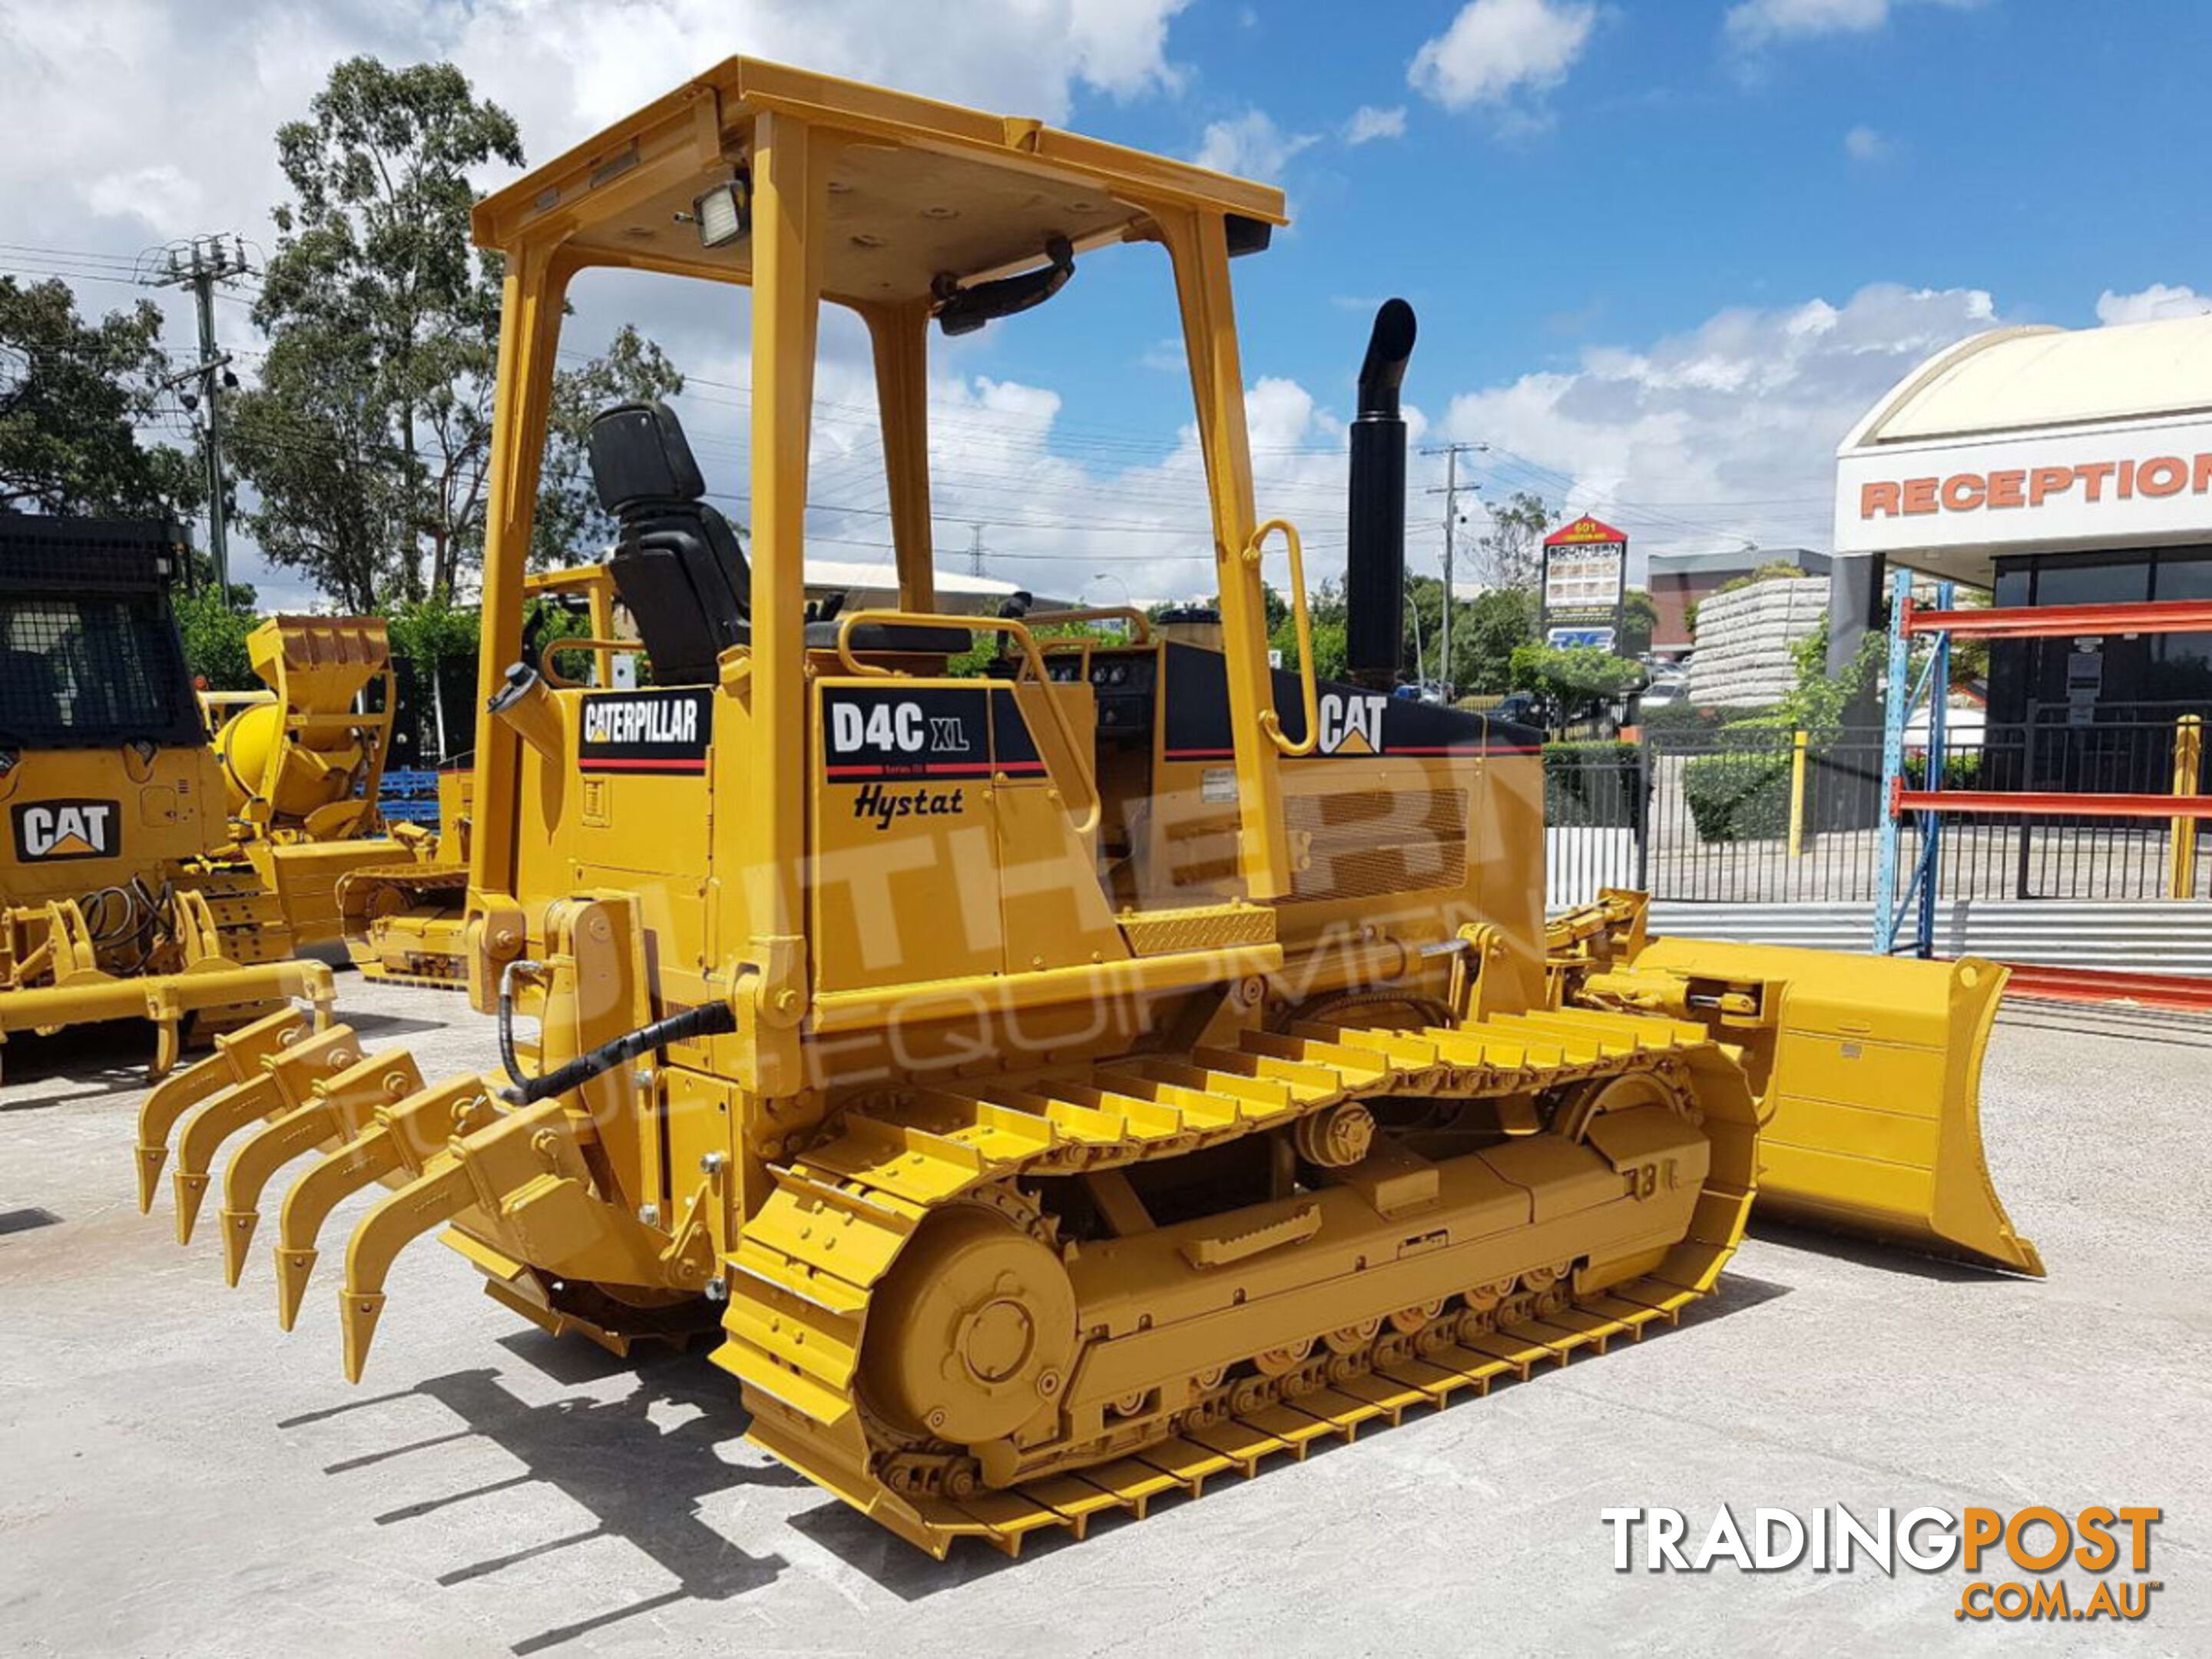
{"points": [[1663, 253]]}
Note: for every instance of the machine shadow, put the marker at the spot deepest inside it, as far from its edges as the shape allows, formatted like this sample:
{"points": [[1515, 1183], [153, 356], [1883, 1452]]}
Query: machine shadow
{"points": [[1884, 1258], [110, 1058], [909, 1574], [640, 1482]]}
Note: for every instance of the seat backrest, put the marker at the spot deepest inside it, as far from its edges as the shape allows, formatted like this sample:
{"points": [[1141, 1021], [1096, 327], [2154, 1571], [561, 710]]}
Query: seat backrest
{"points": [[678, 567]]}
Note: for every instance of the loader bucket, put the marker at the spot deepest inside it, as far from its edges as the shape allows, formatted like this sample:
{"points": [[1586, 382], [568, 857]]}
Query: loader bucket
{"points": [[1870, 1071]]}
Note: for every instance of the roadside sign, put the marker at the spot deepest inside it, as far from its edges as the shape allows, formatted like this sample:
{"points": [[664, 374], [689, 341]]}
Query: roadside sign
{"points": [[1585, 577], [1566, 638]]}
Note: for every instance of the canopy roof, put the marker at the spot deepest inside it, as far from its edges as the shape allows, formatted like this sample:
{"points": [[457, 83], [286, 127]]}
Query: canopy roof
{"points": [[919, 188], [2021, 378]]}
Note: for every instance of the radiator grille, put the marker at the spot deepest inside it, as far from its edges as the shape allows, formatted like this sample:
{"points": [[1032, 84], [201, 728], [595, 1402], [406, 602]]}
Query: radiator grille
{"points": [[1373, 841]]}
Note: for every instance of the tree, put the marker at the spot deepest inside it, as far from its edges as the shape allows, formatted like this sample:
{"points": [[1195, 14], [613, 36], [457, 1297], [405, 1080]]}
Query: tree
{"points": [[313, 440], [1512, 552], [373, 288], [369, 437], [1488, 631], [215, 628], [73, 397], [1573, 679], [569, 518], [1326, 611], [1639, 620]]}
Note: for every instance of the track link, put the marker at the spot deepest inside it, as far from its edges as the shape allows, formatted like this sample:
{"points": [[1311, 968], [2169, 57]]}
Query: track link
{"points": [[809, 1261]]}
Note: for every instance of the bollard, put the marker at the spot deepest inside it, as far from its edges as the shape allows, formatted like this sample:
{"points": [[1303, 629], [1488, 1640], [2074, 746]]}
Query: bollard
{"points": [[2181, 846], [1798, 796]]}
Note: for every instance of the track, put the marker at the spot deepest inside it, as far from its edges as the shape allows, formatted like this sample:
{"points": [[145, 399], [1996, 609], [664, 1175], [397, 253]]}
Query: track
{"points": [[812, 1263]]}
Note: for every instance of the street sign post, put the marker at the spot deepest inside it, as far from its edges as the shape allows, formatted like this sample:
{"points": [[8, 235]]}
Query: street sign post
{"points": [[1585, 582]]}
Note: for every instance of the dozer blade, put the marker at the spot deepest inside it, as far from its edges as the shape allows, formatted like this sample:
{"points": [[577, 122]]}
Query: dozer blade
{"points": [[1873, 1092]]}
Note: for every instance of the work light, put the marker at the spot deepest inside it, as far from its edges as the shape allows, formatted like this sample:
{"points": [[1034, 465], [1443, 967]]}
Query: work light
{"points": [[724, 213]]}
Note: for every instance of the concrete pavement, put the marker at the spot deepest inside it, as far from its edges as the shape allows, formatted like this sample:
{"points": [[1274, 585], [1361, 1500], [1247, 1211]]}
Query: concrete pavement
{"points": [[177, 1477]]}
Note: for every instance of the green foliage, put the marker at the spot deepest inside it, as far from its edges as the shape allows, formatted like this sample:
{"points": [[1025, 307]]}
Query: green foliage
{"points": [[368, 438], [989, 644], [1819, 701], [569, 521], [1326, 610], [1591, 786], [1960, 771], [1572, 675], [72, 395], [1639, 620], [429, 631], [215, 628], [1774, 570], [1512, 551], [1743, 795]]}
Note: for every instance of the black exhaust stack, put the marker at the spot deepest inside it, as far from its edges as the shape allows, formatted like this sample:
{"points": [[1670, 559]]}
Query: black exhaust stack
{"points": [[1374, 562]]}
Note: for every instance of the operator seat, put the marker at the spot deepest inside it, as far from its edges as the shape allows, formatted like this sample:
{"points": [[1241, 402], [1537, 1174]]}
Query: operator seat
{"points": [[679, 567]]}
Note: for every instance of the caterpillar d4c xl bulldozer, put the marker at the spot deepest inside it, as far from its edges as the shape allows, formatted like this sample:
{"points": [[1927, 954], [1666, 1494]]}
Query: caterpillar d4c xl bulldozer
{"points": [[1049, 1088], [120, 896]]}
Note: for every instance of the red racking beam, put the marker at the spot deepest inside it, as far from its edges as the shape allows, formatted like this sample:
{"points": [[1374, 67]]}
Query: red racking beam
{"points": [[2169, 991], [2046, 622], [2058, 802]]}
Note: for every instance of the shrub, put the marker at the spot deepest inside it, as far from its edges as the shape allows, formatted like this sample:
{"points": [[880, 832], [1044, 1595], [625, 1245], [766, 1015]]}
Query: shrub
{"points": [[1960, 771], [1591, 786], [1739, 796]]}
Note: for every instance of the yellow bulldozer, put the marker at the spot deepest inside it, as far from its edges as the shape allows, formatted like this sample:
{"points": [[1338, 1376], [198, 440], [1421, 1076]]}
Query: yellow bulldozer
{"points": [[1046, 1089], [120, 894]]}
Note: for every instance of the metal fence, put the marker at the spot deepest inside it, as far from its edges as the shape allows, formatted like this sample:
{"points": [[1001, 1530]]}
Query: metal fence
{"points": [[1761, 816]]}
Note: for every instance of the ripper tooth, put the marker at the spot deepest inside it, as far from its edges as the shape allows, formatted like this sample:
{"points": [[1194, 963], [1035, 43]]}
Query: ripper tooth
{"points": [[396, 1221], [336, 1106], [237, 1059], [285, 1080], [404, 1138]]}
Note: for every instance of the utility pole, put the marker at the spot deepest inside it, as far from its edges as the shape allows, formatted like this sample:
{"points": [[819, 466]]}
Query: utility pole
{"points": [[1451, 452], [199, 265]]}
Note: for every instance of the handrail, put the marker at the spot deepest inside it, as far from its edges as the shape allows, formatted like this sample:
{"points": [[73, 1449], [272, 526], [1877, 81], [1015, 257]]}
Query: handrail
{"points": [[1021, 636], [1128, 613], [554, 677], [1271, 722]]}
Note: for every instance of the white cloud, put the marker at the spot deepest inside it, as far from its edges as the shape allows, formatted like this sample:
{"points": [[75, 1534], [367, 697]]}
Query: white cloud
{"points": [[1728, 431], [1865, 144], [1367, 123], [1251, 146], [2157, 302], [210, 80], [1495, 48], [1759, 23]]}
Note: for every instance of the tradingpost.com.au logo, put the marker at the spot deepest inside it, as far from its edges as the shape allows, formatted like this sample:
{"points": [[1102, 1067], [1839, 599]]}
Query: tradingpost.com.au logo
{"points": [[2011, 1560]]}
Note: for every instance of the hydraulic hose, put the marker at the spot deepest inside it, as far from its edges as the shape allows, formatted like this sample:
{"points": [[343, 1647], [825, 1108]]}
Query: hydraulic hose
{"points": [[707, 1019]]}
